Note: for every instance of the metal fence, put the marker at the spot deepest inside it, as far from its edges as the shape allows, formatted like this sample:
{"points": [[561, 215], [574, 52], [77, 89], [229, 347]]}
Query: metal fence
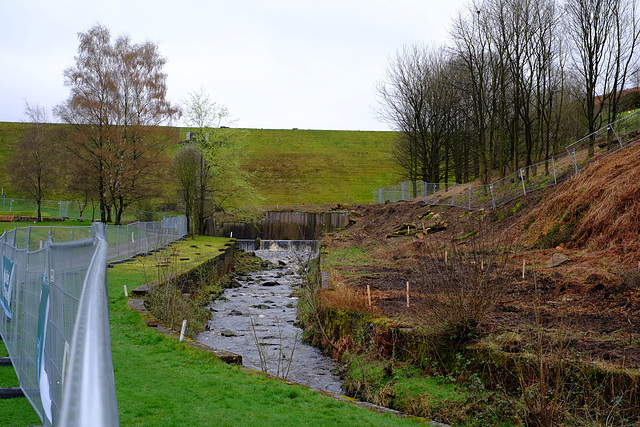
{"points": [[70, 209], [54, 313], [558, 168], [127, 241]]}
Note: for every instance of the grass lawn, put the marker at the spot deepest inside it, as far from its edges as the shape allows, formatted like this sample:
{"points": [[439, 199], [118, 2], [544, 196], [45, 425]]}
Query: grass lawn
{"points": [[161, 382]]}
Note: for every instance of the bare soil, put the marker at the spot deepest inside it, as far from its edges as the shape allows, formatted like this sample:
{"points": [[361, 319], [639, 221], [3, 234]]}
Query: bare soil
{"points": [[593, 299]]}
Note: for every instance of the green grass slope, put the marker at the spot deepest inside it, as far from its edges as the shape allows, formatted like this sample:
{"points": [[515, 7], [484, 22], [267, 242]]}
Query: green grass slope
{"points": [[291, 166], [319, 166], [10, 135]]}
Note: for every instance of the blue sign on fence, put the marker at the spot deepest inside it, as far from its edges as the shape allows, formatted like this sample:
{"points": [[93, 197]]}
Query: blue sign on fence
{"points": [[7, 285], [43, 350]]}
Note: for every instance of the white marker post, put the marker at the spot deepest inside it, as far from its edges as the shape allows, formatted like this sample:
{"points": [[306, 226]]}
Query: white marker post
{"points": [[184, 328], [126, 293], [407, 294]]}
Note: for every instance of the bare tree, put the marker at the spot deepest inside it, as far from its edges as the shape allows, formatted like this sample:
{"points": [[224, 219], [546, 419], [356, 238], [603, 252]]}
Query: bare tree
{"points": [[187, 162], [35, 168], [403, 104], [117, 96], [626, 24], [416, 99], [474, 52], [591, 25]]}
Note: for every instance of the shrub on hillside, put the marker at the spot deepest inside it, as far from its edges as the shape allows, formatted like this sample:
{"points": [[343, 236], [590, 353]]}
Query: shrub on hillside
{"points": [[457, 288]]}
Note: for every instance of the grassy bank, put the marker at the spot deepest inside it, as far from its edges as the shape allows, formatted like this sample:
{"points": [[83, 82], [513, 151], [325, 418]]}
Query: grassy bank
{"points": [[160, 381]]}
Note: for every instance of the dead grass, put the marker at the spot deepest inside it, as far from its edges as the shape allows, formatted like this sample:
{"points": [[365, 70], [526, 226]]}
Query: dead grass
{"points": [[344, 298], [603, 202]]}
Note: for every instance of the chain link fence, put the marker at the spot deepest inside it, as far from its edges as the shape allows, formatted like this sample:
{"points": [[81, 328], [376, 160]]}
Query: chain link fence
{"points": [[54, 313], [556, 169]]}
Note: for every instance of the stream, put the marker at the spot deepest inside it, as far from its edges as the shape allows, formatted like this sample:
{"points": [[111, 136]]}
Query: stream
{"points": [[257, 320]]}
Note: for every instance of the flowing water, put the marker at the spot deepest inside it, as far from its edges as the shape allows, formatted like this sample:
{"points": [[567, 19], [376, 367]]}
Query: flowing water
{"points": [[257, 320]]}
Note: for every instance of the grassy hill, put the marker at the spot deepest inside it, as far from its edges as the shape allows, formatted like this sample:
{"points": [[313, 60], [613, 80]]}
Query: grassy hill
{"points": [[294, 167], [10, 135], [291, 167]]}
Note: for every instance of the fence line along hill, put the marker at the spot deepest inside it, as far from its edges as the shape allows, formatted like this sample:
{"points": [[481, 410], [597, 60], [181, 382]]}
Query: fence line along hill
{"points": [[599, 209]]}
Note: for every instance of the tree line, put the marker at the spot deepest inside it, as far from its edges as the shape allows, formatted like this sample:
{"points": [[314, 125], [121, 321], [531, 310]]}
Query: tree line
{"points": [[519, 80], [117, 150]]}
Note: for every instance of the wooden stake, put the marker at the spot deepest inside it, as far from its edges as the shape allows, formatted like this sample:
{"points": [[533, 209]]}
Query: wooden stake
{"points": [[369, 295], [407, 294], [482, 264], [523, 266], [445, 257]]}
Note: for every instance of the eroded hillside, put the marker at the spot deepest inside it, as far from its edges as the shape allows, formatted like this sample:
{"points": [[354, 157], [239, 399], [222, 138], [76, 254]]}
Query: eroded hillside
{"points": [[593, 220]]}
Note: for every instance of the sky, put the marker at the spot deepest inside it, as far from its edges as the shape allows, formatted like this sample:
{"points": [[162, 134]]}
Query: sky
{"points": [[276, 64]]}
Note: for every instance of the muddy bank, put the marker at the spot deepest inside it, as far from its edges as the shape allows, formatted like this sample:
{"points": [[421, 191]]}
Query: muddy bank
{"points": [[491, 375]]}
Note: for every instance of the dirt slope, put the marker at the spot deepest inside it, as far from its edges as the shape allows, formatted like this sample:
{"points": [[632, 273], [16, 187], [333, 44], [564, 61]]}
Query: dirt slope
{"points": [[593, 218]]}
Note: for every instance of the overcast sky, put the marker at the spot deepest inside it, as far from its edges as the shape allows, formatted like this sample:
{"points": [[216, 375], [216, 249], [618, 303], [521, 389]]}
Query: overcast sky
{"points": [[276, 64]]}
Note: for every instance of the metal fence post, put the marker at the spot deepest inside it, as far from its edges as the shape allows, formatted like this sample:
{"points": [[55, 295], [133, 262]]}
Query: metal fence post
{"points": [[469, 197], [402, 191], [493, 201], [453, 195], [524, 190], [617, 137], [118, 242], [572, 153], [553, 164]]}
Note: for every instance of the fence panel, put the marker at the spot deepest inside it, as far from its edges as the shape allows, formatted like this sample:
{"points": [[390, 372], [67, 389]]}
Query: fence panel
{"points": [[54, 313], [40, 296], [507, 189]]}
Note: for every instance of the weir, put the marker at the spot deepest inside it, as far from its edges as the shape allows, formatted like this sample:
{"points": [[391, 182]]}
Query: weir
{"points": [[282, 225], [248, 245]]}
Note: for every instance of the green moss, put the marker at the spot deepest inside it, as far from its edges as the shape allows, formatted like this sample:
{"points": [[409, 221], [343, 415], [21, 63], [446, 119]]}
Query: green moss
{"points": [[466, 236], [557, 235], [517, 207]]}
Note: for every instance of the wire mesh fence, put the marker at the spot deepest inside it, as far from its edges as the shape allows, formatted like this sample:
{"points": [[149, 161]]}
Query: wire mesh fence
{"points": [[552, 171], [71, 209], [54, 313]]}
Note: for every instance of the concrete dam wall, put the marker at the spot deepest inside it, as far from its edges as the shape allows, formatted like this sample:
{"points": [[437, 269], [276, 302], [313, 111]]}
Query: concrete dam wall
{"points": [[285, 225]]}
